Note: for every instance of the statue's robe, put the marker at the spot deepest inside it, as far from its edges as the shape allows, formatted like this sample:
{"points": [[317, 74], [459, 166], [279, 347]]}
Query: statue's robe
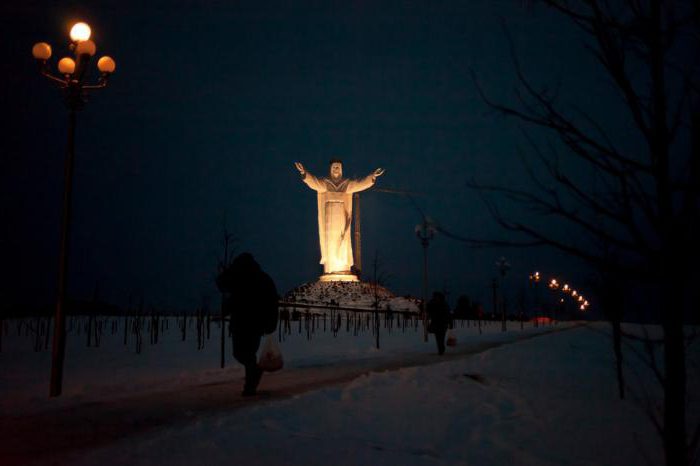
{"points": [[335, 218]]}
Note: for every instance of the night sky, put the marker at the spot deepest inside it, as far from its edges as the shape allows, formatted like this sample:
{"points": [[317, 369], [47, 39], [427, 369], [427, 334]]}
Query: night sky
{"points": [[213, 102]]}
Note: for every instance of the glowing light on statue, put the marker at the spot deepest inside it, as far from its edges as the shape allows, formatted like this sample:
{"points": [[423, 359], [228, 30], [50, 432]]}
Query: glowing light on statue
{"points": [[334, 200]]}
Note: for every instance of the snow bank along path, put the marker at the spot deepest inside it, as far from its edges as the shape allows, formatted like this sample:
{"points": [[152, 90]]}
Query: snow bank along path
{"points": [[55, 432]]}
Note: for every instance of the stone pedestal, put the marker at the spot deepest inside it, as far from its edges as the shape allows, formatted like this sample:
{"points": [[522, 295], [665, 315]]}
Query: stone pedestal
{"points": [[338, 277]]}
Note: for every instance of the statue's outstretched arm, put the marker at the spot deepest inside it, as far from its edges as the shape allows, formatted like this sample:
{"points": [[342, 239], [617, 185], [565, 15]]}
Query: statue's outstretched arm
{"points": [[366, 182], [310, 180]]}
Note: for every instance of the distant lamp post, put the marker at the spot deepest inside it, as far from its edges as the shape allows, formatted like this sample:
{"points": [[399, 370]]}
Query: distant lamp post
{"points": [[503, 268], [535, 280], [425, 232], [72, 82]]}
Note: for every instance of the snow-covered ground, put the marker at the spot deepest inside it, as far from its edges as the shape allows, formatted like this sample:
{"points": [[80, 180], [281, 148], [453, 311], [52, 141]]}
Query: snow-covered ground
{"points": [[115, 370], [546, 400]]}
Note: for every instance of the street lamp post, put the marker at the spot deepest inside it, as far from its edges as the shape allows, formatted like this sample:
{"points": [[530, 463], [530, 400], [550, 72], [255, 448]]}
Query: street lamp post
{"points": [[503, 268], [554, 285], [72, 82], [535, 279], [425, 232]]}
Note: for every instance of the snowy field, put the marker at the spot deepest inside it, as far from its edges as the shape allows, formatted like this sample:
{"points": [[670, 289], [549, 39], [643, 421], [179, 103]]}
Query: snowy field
{"points": [[114, 369], [533, 400]]}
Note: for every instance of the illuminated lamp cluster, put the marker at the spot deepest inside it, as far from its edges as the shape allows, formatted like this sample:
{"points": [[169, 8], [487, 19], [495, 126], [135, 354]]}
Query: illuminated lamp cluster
{"points": [[71, 69]]}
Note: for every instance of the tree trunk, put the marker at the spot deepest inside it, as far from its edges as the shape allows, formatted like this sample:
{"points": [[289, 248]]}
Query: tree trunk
{"points": [[674, 432], [617, 347]]}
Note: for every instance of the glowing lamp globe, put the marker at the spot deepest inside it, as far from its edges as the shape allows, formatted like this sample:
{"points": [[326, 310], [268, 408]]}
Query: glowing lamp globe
{"points": [[86, 47], [80, 32], [66, 65], [106, 65], [41, 51]]}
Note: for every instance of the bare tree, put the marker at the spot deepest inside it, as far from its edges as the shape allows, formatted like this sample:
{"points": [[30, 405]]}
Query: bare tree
{"points": [[611, 295], [640, 218], [379, 279], [229, 243]]}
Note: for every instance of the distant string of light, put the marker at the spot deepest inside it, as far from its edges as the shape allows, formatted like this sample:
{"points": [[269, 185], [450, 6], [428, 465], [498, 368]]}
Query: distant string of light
{"points": [[554, 285]]}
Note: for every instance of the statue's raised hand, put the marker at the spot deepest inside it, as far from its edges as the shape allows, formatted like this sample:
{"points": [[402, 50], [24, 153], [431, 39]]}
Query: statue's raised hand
{"points": [[300, 167], [378, 172]]}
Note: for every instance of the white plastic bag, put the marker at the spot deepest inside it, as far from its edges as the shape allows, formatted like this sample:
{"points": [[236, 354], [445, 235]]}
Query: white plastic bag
{"points": [[270, 356], [451, 339]]}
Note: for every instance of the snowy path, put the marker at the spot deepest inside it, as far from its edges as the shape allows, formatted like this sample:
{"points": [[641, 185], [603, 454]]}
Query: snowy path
{"points": [[61, 433]]}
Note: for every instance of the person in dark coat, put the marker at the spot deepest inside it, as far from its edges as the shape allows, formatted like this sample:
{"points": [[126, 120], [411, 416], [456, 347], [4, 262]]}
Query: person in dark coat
{"points": [[250, 300], [439, 315]]}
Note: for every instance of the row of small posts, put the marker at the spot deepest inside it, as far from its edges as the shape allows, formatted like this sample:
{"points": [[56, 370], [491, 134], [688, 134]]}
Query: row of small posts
{"points": [[94, 327], [304, 319]]}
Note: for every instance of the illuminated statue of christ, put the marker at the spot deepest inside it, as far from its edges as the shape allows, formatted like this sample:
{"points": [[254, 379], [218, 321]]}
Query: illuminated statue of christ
{"points": [[335, 214]]}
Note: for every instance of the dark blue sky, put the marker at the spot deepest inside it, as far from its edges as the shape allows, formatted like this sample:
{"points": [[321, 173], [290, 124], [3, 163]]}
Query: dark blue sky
{"points": [[211, 104]]}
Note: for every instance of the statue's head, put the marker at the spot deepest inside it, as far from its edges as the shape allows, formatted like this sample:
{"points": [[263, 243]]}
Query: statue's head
{"points": [[336, 169]]}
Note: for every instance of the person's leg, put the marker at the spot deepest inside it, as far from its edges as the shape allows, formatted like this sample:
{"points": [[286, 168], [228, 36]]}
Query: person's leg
{"points": [[440, 339], [252, 378], [244, 349]]}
